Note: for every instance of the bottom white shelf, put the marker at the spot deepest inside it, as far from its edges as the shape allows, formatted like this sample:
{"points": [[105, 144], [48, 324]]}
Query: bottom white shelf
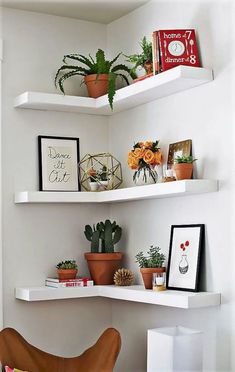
{"points": [[136, 293]]}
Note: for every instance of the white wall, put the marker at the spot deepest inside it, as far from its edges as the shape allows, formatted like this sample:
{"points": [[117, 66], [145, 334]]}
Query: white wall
{"points": [[36, 237], [203, 114], [1, 263]]}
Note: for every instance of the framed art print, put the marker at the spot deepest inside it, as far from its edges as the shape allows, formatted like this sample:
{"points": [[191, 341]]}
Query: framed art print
{"points": [[178, 149], [58, 163], [184, 257]]}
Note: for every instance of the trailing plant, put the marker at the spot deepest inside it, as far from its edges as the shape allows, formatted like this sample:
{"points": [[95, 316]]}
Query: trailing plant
{"points": [[144, 59], [184, 159], [153, 258], [103, 235], [67, 265], [90, 66]]}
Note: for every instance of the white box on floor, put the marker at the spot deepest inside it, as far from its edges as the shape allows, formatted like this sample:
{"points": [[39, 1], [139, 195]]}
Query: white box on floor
{"points": [[174, 349]]}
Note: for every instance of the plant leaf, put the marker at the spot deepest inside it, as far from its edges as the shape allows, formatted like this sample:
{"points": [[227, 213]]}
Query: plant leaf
{"points": [[66, 76], [111, 88], [120, 67], [67, 67]]}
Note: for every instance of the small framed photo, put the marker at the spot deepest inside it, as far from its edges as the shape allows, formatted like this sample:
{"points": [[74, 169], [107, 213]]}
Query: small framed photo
{"points": [[58, 163], [178, 149], [184, 257]]}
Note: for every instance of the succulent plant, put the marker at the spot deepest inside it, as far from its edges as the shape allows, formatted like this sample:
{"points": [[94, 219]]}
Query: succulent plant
{"points": [[184, 159], [153, 258], [109, 233], [67, 265]]}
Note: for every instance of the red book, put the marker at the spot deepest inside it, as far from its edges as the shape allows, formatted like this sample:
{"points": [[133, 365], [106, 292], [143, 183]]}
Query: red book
{"points": [[156, 53], [178, 47]]}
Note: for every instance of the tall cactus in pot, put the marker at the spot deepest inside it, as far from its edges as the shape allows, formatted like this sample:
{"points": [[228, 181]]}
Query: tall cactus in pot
{"points": [[103, 262]]}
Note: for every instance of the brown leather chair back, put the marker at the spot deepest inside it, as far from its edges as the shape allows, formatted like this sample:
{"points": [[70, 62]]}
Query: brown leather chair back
{"points": [[16, 352]]}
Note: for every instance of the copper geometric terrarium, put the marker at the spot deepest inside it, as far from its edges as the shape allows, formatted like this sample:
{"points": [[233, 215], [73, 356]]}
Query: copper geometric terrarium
{"points": [[100, 172]]}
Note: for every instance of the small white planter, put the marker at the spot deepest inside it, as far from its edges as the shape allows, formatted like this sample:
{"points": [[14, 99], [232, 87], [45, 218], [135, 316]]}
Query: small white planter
{"points": [[103, 185], [174, 349], [93, 186]]}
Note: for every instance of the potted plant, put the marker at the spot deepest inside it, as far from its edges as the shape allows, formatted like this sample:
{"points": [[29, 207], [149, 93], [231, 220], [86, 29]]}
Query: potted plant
{"points": [[93, 179], [103, 178], [150, 263], [99, 74], [67, 269], [144, 59], [102, 261], [184, 167]]}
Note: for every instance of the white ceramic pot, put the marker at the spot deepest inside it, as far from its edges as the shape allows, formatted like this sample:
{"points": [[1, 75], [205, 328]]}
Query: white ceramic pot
{"points": [[103, 185], [93, 186]]}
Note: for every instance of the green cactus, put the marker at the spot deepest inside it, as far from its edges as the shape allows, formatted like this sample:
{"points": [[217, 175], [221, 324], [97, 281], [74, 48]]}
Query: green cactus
{"points": [[109, 233], [93, 235]]}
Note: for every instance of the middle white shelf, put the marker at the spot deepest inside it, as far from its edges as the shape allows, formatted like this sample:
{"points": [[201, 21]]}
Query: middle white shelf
{"points": [[156, 191]]}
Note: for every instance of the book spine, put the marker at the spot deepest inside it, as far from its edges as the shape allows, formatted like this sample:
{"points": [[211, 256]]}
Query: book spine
{"points": [[155, 50], [87, 283]]}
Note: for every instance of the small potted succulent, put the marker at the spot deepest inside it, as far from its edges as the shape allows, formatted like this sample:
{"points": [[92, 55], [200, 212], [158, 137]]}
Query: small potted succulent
{"points": [[143, 60], [150, 263], [103, 178], [184, 167], [93, 179], [102, 261], [67, 269], [99, 74]]}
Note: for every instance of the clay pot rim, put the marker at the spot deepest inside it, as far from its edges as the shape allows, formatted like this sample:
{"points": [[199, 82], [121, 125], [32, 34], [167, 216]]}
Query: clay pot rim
{"points": [[152, 270], [184, 165], [92, 77], [103, 256], [67, 270]]}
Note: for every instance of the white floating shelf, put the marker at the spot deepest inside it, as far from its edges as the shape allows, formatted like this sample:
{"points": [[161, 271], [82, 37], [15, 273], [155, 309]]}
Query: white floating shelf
{"points": [[136, 293], [169, 82], [159, 190]]}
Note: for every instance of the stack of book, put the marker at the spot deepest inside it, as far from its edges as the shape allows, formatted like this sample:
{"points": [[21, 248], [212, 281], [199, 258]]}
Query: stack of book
{"points": [[173, 48], [68, 283]]}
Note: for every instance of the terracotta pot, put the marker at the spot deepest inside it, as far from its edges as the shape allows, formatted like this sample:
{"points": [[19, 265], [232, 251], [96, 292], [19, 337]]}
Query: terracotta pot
{"points": [[102, 266], [97, 87], [67, 273], [148, 67], [183, 171], [147, 275]]}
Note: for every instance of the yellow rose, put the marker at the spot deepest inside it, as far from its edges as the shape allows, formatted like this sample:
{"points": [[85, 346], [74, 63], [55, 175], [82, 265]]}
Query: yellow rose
{"points": [[138, 153], [141, 144], [133, 162], [149, 157], [158, 158], [148, 144]]}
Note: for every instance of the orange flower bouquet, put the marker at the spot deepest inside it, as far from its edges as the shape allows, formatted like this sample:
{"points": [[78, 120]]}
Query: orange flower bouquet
{"points": [[143, 159]]}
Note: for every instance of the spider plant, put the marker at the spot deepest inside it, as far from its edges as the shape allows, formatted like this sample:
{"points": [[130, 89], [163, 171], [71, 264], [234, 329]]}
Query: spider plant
{"points": [[90, 66]]}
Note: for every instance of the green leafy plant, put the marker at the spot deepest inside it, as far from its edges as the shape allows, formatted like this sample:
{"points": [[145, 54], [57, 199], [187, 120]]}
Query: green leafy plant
{"points": [[103, 235], [90, 66], [143, 59], [184, 159], [67, 265], [103, 174], [153, 258]]}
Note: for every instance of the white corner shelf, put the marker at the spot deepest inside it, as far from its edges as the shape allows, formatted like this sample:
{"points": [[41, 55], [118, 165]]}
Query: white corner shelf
{"points": [[136, 293], [156, 191], [169, 82]]}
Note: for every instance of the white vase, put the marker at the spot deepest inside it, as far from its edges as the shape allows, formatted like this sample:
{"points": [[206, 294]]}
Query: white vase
{"points": [[172, 349], [145, 176]]}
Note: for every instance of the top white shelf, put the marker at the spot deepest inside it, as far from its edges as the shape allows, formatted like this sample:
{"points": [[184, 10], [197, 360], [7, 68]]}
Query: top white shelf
{"points": [[169, 82]]}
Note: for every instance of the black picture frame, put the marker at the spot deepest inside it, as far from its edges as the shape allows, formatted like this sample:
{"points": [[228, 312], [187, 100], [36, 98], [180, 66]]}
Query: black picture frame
{"points": [[58, 170], [183, 273]]}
